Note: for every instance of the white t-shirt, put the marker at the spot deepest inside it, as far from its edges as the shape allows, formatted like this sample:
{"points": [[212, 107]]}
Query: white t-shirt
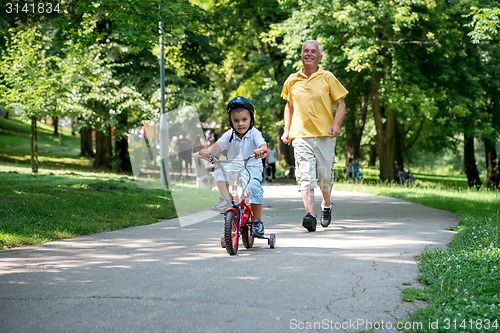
{"points": [[239, 149], [271, 155]]}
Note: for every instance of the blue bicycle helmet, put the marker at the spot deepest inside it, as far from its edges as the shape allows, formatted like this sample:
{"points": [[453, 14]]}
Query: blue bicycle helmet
{"points": [[241, 102]]}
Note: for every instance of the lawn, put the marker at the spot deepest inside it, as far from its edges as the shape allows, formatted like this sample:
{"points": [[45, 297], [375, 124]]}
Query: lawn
{"points": [[67, 198]]}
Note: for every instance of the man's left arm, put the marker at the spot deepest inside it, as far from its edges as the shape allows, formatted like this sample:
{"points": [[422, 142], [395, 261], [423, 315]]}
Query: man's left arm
{"points": [[339, 117]]}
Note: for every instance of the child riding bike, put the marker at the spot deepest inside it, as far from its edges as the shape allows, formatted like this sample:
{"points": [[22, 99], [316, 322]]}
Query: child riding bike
{"points": [[242, 140]]}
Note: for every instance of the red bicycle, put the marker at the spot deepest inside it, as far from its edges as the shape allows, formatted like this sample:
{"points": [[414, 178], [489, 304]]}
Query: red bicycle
{"points": [[238, 218]]}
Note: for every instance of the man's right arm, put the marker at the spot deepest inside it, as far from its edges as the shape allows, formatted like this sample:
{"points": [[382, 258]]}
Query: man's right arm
{"points": [[287, 118]]}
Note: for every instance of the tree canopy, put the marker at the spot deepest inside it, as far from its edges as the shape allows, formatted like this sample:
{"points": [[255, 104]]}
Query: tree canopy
{"points": [[422, 74]]}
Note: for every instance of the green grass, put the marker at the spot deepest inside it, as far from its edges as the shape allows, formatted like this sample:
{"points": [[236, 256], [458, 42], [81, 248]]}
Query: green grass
{"points": [[413, 294], [461, 285], [55, 152], [37, 208], [66, 198]]}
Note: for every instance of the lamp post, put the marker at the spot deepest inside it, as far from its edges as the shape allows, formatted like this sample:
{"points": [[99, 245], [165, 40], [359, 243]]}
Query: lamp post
{"points": [[163, 116]]}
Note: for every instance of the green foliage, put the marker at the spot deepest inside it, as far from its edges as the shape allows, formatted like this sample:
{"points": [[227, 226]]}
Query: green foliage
{"points": [[40, 208], [27, 72], [90, 78], [252, 65], [96, 61], [485, 22], [436, 63]]}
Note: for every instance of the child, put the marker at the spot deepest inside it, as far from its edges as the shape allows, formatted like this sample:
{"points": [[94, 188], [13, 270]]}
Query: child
{"points": [[249, 141]]}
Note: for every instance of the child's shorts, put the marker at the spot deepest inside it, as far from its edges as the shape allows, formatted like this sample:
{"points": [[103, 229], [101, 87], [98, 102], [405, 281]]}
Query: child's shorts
{"points": [[254, 189]]}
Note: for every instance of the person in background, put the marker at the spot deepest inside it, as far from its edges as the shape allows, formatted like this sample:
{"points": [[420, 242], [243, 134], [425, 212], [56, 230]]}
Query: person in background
{"points": [[185, 152], [270, 164]]}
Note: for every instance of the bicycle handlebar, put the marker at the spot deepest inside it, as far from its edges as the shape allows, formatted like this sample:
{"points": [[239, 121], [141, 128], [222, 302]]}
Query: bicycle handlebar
{"points": [[212, 159]]}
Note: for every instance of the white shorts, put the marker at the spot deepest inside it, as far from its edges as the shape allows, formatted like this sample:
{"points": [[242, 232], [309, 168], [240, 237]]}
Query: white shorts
{"points": [[314, 159], [255, 190]]}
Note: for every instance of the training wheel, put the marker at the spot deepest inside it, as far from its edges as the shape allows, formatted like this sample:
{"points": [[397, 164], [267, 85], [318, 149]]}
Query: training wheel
{"points": [[272, 241], [222, 242]]}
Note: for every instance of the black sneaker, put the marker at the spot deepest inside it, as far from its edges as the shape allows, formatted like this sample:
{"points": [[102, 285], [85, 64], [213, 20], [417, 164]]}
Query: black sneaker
{"points": [[258, 229], [326, 216], [309, 222]]}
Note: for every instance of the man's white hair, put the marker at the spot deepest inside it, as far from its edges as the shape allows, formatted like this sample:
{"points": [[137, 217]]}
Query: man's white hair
{"points": [[320, 47]]}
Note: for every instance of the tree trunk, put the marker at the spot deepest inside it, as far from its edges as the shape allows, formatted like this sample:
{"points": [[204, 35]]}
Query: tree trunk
{"points": [[372, 160], [354, 130], [492, 175], [350, 125], [121, 144], [121, 150], [55, 124], [103, 149], [400, 147], [287, 152], [86, 142], [386, 130], [34, 145], [470, 162]]}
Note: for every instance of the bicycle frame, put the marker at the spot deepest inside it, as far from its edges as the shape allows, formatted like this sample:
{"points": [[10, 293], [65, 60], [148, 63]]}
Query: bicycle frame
{"points": [[239, 205], [240, 212], [243, 213], [237, 216]]}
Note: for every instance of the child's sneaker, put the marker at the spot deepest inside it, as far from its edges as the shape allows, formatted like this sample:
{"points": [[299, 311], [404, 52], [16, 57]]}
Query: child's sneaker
{"points": [[221, 205], [258, 229]]}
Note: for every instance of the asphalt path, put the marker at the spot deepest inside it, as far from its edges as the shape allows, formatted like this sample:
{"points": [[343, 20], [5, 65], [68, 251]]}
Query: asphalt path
{"points": [[173, 276]]}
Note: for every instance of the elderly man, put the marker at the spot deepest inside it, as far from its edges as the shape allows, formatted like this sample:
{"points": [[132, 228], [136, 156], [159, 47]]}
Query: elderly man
{"points": [[312, 129]]}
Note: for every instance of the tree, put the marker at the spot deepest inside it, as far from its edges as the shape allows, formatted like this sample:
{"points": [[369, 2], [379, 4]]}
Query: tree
{"points": [[422, 74], [364, 42], [466, 72], [27, 72], [253, 65], [106, 70], [486, 35]]}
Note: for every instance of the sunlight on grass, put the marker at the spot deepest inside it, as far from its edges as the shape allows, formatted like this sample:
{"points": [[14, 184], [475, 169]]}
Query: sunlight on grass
{"points": [[16, 159], [51, 205], [190, 199]]}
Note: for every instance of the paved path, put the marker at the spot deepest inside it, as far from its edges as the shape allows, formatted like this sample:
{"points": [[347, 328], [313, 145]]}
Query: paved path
{"points": [[168, 278]]}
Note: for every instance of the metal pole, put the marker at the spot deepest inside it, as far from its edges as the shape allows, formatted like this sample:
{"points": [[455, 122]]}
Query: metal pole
{"points": [[163, 116]]}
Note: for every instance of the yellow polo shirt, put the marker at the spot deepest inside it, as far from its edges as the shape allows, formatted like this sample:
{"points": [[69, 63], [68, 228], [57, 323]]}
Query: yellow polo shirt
{"points": [[313, 99]]}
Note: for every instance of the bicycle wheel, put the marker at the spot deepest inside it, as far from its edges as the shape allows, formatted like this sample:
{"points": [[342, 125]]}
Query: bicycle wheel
{"points": [[231, 232], [272, 241], [246, 236]]}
